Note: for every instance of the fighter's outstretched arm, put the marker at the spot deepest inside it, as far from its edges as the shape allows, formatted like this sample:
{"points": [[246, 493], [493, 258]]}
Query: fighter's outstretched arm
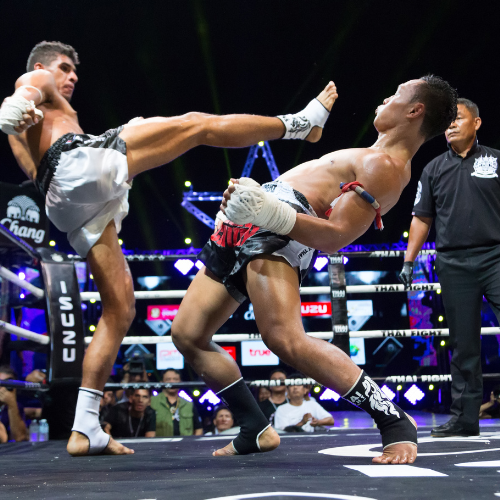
{"points": [[18, 112]]}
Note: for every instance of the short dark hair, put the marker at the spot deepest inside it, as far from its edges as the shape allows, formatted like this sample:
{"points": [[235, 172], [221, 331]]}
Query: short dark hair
{"points": [[471, 106], [8, 371], [219, 408], [171, 370], [440, 101], [278, 370], [45, 52]]}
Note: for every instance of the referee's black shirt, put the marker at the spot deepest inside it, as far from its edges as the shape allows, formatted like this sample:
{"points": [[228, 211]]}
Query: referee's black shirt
{"points": [[463, 196]]}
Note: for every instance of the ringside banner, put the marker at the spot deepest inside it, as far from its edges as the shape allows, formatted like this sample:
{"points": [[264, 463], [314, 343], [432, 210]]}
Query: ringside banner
{"points": [[256, 353], [167, 356]]}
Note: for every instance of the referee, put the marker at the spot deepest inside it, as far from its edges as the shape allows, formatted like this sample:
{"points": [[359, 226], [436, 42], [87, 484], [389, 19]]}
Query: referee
{"points": [[461, 190]]}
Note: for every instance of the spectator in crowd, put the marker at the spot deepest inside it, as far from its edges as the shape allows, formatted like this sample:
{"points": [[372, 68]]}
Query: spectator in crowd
{"points": [[132, 372], [108, 400], [278, 396], [39, 377], [491, 409], [174, 415], [133, 419], [3, 434], [299, 414], [11, 412], [264, 393], [223, 422]]}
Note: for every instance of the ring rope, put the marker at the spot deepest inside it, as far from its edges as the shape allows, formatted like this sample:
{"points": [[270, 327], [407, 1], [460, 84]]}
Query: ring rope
{"points": [[22, 332], [25, 285]]}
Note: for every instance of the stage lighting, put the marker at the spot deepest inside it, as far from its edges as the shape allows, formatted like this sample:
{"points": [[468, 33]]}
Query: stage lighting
{"points": [[199, 264], [345, 260], [52, 243], [120, 242], [151, 282], [431, 387], [196, 393], [91, 276], [387, 391], [438, 291], [92, 301], [92, 328], [21, 296], [184, 265], [414, 394], [320, 263], [185, 396], [443, 343], [405, 234], [21, 276], [399, 387], [261, 144], [317, 389], [187, 184], [329, 394], [440, 318], [210, 397], [155, 393]]}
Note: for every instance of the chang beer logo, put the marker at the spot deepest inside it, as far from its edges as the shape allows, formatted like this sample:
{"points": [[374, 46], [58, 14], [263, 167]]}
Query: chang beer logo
{"points": [[23, 209]]}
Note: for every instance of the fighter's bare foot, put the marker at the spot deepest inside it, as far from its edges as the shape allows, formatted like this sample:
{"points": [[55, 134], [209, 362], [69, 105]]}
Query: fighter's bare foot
{"points": [[327, 97], [78, 446], [268, 441], [400, 453]]}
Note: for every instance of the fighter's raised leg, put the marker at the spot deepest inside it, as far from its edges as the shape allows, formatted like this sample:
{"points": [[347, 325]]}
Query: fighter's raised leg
{"points": [[114, 282], [192, 335], [155, 141], [273, 287]]}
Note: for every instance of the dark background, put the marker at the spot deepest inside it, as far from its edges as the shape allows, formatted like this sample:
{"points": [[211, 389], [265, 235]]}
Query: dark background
{"points": [[263, 57]]}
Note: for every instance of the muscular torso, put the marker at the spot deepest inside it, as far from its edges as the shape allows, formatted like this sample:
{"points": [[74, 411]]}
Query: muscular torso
{"points": [[319, 180]]}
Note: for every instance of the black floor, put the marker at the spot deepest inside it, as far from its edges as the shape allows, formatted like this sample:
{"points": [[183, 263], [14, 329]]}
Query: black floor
{"points": [[185, 470]]}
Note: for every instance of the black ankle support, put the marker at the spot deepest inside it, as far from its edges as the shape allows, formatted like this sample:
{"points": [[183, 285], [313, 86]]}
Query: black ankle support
{"points": [[392, 422], [251, 420]]}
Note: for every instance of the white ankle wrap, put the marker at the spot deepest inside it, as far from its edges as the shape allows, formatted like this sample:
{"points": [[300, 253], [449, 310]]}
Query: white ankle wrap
{"points": [[251, 204], [300, 124], [87, 420]]}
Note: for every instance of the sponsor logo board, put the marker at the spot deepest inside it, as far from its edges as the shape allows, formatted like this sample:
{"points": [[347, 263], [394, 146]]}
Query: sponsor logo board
{"points": [[256, 353], [167, 356]]}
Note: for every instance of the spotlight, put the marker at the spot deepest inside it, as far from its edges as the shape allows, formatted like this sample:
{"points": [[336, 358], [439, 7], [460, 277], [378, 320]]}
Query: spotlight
{"points": [[185, 396], [317, 389], [414, 394], [443, 342], [438, 291], [431, 387], [329, 394], [120, 242], [388, 392], [187, 184], [405, 234], [440, 318], [210, 397], [155, 393], [399, 387], [91, 276], [187, 241], [320, 263], [184, 265], [21, 276], [92, 328], [52, 243], [261, 144], [196, 393], [92, 301], [21, 296]]}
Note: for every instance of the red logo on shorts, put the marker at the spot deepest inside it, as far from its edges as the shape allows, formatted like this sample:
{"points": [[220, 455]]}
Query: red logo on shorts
{"points": [[231, 235]]}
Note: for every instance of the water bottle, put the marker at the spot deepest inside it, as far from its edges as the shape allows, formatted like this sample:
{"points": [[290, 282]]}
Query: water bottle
{"points": [[33, 430], [44, 430]]}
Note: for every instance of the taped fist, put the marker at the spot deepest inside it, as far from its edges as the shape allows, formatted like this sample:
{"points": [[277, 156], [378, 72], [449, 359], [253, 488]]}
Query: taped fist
{"points": [[17, 115], [406, 274]]}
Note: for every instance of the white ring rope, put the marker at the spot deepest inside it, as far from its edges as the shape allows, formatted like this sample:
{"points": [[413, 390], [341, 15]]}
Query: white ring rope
{"points": [[21, 332], [25, 285], [310, 290], [362, 334]]}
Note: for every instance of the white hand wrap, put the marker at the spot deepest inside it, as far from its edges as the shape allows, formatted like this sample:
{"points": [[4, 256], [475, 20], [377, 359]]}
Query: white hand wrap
{"points": [[11, 113], [251, 204], [219, 219], [300, 124]]}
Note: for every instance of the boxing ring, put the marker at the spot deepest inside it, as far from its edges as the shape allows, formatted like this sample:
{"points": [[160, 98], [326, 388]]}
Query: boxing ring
{"points": [[331, 464]]}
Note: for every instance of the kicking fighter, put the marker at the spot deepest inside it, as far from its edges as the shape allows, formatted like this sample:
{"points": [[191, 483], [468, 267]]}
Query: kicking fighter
{"points": [[85, 180], [266, 246]]}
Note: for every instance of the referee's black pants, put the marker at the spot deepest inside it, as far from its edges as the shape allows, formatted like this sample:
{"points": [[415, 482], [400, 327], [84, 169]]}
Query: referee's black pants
{"points": [[465, 276]]}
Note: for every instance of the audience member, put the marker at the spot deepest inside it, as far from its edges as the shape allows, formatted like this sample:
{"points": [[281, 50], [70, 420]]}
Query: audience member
{"points": [[11, 412], [133, 419], [3, 434], [108, 400], [299, 414], [174, 415], [223, 421], [491, 409], [278, 396], [264, 393], [35, 412], [132, 372]]}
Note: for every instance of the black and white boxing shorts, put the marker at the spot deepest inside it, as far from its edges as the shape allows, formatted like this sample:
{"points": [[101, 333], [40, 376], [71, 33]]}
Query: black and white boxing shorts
{"points": [[84, 179], [230, 249]]}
